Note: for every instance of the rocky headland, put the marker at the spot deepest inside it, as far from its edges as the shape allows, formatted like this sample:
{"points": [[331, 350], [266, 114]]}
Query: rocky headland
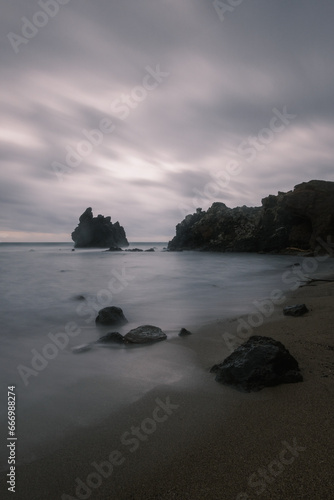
{"points": [[288, 222], [98, 232]]}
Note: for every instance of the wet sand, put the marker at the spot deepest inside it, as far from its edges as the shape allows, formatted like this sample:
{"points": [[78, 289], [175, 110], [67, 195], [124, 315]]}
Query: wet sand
{"points": [[210, 441]]}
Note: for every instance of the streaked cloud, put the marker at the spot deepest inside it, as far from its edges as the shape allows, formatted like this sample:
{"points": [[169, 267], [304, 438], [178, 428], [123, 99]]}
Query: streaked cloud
{"points": [[224, 80]]}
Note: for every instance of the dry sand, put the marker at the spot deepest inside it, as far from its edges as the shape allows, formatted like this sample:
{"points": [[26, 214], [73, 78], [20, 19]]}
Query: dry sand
{"points": [[216, 443]]}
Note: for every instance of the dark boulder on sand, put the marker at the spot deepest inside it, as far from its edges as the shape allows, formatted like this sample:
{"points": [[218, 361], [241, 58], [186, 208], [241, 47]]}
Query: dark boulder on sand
{"points": [[98, 232], [111, 316], [144, 334], [297, 310], [260, 362]]}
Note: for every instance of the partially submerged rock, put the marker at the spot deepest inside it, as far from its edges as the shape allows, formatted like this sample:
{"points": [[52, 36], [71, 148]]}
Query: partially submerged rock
{"points": [[114, 249], [111, 316], [110, 338], [79, 297], [260, 362], [296, 310], [183, 332], [105, 340], [98, 232], [145, 333], [142, 335]]}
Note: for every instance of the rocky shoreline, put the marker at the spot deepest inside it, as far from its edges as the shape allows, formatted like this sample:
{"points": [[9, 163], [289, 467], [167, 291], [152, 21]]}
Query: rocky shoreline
{"points": [[300, 221], [212, 441]]}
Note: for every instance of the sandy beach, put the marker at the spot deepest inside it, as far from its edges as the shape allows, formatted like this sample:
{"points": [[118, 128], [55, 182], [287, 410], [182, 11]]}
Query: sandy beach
{"points": [[211, 441]]}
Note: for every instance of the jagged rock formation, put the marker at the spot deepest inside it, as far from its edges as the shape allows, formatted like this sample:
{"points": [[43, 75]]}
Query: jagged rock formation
{"points": [[294, 219], [98, 232]]}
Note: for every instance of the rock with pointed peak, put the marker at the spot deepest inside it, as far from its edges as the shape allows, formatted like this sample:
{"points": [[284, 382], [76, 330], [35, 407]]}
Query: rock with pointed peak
{"points": [[98, 232]]}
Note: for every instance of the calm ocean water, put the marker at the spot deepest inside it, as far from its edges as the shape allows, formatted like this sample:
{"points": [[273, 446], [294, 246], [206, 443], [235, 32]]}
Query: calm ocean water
{"points": [[50, 292]]}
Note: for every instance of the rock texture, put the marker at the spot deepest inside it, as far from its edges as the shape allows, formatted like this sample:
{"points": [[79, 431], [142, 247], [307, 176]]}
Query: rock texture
{"points": [[297, 310], [109, 338], [260, 362], [144, 334], [184, 332], [111, 316], [293, 220], [98, 232]]}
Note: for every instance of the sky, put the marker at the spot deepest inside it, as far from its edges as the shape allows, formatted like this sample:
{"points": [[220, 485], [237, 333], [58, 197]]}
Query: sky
{"points": [[145, 110]]}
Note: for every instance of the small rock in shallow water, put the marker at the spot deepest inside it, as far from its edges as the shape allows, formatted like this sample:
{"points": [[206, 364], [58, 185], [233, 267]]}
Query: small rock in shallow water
{"points": [[110, 338], [260, 362], [144, 334], [111, 316], [183, 332], [297, 310], [79, 297]]}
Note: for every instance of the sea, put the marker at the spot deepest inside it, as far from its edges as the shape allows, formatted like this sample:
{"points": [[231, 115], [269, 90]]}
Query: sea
{"points": [[50, 297]]}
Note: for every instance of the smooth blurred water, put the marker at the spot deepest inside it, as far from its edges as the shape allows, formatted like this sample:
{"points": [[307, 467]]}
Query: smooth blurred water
{"points": [[41, 285]]}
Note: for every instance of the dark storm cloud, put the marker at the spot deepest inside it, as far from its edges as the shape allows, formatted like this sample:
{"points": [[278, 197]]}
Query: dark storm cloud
{"points": [[170, 151]]}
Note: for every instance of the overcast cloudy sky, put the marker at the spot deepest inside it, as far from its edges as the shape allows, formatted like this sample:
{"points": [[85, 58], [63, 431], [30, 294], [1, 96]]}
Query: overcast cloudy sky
{"points": [[184, 102]]}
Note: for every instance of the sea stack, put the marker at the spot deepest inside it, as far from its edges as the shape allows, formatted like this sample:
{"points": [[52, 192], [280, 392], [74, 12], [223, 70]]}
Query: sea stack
{"points": [[98, 232]]}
